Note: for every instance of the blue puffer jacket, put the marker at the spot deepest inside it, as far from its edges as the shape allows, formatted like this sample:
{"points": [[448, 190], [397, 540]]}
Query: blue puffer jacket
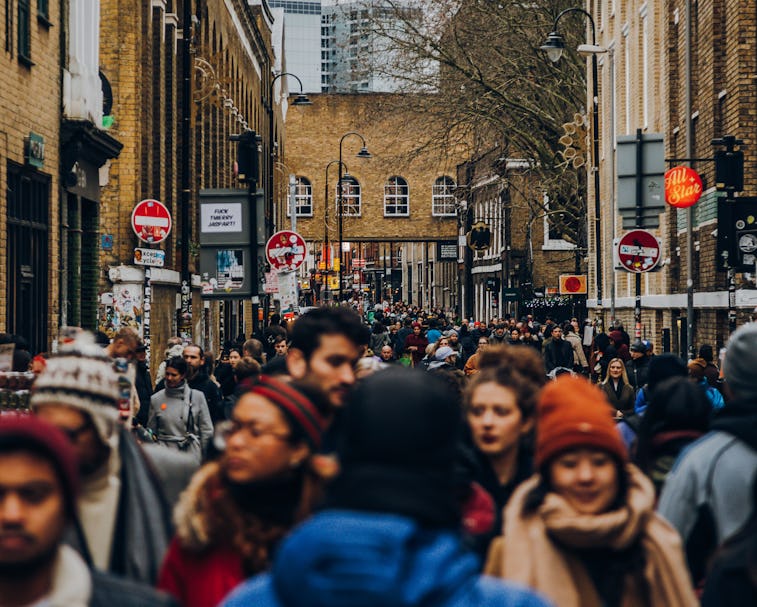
{"points": [[344, 558]]}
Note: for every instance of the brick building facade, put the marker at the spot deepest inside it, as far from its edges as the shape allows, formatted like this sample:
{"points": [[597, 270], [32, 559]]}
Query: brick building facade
{"points": [[30, 93], [643, 85], [399, 205], [142, 57]]}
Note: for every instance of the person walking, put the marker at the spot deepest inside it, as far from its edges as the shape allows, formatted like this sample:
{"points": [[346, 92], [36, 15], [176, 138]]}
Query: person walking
{"points": [[557, 351], [583, 530], [39, 484], [618, 390], [708, 493], [416, 344], [390, 532], [637, 369], [179, 416], [237, 509], [580, 364], [500, 407]]}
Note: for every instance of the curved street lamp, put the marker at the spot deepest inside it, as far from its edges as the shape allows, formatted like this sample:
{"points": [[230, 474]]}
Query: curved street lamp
{"points": [[301, 99], [326, 203], [363, 153], [554, 47]]}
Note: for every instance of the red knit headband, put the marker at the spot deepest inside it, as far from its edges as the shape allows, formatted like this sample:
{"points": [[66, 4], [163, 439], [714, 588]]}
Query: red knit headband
{"points": [[296, 405]]}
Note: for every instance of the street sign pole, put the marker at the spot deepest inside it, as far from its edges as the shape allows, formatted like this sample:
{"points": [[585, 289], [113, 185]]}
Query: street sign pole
{"points": [[639, 224]]}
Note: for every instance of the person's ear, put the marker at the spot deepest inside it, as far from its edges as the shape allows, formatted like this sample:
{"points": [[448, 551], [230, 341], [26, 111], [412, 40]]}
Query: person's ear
{"points": [[297, 364]]}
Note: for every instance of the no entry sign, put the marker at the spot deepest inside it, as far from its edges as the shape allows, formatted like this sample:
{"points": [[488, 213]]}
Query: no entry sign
{"points": [[285, 251], [151, 221], [638, 251]]}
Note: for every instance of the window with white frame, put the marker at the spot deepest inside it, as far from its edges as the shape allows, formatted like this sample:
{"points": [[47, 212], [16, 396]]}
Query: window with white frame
{"points": [[443, 197], [351, 197], [303, 197], [553, 240], [396, 197]]}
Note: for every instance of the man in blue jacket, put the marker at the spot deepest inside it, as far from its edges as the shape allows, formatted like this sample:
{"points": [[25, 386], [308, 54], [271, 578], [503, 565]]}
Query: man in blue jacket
{"points": [[390, 534]]}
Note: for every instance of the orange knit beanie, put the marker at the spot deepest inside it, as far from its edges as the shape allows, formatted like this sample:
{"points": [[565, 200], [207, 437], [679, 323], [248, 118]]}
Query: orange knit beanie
{"points": [[574, 413]]}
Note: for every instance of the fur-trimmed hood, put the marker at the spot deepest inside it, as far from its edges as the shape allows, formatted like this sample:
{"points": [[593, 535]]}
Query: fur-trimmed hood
{"points": [[192, 512]]}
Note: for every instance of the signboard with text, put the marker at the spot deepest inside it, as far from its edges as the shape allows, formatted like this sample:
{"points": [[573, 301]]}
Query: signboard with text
{"points": [[155, 258]]}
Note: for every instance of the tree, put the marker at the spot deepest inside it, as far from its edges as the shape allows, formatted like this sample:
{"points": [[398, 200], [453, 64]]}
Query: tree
{"points": [[473, 71]]}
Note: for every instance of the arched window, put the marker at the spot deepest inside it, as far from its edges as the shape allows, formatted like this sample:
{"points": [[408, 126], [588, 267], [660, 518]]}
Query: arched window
{"points": [[350, 197], [443, 197], [303, 197], [396, 197]]}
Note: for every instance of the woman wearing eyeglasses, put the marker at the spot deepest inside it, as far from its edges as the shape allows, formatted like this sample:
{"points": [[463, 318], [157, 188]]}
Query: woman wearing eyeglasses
{"points": [[237, 509]]}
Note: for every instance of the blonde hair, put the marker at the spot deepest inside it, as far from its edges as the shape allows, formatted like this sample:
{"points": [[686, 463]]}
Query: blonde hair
{"points": [[623, 373]]}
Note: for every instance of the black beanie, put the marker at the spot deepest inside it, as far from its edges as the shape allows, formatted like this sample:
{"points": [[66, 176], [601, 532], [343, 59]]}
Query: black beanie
{"points": [[664, 367], [398, 448]]}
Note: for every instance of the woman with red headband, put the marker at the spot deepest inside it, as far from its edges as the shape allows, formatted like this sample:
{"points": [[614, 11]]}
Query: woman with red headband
{"points": [[237, 509]]}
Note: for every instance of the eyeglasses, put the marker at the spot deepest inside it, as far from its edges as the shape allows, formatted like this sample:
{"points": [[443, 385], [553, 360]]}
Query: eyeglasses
{"points": [[226, 429]]}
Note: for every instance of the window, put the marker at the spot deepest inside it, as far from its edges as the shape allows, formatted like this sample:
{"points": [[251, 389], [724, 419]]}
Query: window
{"points": [[350, 197], [43, 10], [396, 197], [24, 32], [554, 228], [443, 197], [303, 197]]}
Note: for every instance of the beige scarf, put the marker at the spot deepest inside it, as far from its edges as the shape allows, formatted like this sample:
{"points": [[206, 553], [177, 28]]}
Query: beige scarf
{"points": [[529, 556]]}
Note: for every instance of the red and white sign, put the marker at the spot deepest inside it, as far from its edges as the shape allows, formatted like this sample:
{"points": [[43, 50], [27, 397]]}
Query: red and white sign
{"points": [[285, 251], [151, 221], [683, 187], [638, 251]]}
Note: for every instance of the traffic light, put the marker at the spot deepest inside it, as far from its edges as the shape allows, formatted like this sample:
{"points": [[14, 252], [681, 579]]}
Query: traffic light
{"points": [[248, 156], [729, 170], [572, 284]]}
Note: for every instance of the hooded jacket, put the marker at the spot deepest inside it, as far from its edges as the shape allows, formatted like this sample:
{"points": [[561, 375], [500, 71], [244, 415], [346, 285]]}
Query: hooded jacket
{"points": [[716, 472], [343, 558]]}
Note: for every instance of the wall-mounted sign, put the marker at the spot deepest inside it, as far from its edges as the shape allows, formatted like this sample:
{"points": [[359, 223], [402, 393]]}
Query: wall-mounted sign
{"points": [[34, 150], [106, 242], [151, 221], [221, 217], [446, 250], [683, 187], [480, 236], [573, 284], [155, 258]]}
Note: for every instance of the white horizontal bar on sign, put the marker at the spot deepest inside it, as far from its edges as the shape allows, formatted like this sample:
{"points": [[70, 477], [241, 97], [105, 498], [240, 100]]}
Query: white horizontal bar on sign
{"points": [[626, 249], [144, 220]]}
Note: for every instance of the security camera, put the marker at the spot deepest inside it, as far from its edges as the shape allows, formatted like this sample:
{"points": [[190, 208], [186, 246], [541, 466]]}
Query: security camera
{"points": [[714, 233]]}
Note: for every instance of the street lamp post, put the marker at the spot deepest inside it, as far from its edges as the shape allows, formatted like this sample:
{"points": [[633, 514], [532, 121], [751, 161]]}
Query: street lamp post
{"points": [[554, 47], [301, 99], [363, 153], [326, 203]]}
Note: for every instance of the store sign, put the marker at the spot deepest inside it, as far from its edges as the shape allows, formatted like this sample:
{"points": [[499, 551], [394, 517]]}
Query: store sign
{"points": [[446, 250], [683, 187]]}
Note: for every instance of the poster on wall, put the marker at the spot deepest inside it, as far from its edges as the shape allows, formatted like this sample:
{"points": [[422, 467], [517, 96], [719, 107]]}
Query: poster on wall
{"points": [[128, 306], [230, 268]]}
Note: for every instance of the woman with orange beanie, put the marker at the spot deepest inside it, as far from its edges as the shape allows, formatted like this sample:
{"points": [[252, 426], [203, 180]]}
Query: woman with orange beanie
{"points": [[583, 531]]}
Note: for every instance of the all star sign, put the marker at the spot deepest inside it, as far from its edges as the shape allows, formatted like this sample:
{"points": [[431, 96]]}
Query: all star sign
{"points": [[683, 187]]}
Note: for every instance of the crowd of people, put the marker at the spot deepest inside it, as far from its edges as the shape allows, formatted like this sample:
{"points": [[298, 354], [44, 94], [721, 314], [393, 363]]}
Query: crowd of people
{"points": [[394, 459]]}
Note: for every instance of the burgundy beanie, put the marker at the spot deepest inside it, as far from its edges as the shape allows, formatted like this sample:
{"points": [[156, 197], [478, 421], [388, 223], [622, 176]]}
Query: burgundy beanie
{"points": [[30, 433], [296, 407], [573, 413]]}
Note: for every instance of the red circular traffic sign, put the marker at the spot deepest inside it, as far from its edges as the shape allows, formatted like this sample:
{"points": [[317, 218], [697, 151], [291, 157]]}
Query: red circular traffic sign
{"points": [[572, 284], [151, 221], [639, 251], [285, 251]]}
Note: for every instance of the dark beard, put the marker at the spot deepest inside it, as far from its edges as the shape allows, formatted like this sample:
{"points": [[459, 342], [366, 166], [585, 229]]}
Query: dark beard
{"points": [[22, 570]]}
